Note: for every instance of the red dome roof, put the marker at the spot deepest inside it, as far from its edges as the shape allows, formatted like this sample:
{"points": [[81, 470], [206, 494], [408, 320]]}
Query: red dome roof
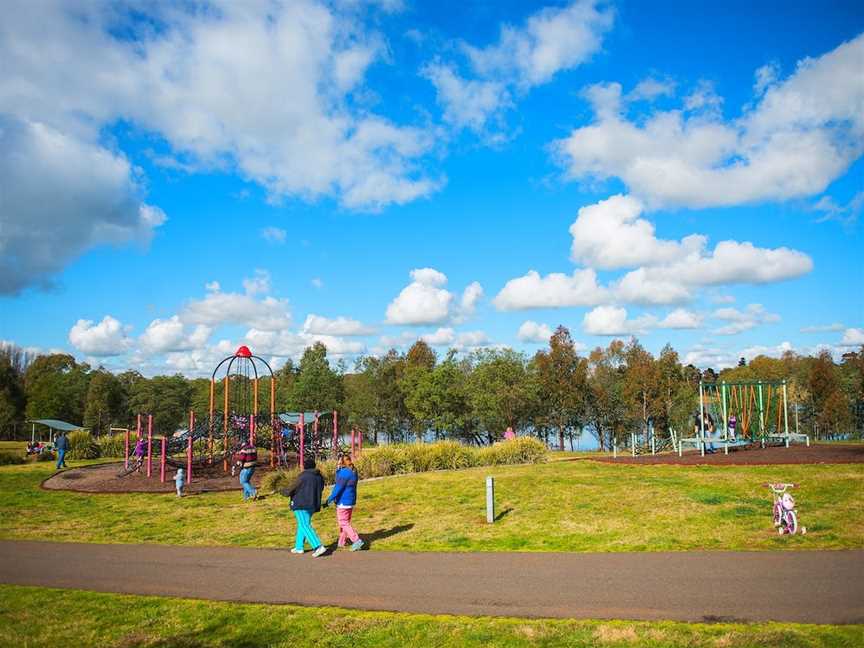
{"points": [[243, 352]]}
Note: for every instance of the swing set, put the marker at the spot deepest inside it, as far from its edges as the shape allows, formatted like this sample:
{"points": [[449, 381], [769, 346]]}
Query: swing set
{"points": [[742, 413]]}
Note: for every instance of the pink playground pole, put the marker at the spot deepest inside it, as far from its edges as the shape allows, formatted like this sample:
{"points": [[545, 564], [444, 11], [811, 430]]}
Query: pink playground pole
{"points": [[335, 431], [162, 461], [126, 452], [149, 445], [360, 441], [302, 440], [189, 448], [352, 444], [252, 430]]}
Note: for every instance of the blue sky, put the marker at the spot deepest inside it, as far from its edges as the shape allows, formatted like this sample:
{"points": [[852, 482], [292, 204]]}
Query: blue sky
{"points": [[178, 182]]}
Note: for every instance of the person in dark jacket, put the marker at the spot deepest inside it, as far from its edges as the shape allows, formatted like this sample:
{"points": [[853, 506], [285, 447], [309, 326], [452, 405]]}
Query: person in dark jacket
{"points": [[305, 494], [345, 495], [62, 445]]}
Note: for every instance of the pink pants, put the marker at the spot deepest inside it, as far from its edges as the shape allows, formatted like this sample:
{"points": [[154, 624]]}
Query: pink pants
{"points": [[343, 517]]}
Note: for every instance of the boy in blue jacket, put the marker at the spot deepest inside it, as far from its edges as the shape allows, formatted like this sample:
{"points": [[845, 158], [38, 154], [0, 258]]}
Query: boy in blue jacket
{"points": [[345, 495], [305, 494]]}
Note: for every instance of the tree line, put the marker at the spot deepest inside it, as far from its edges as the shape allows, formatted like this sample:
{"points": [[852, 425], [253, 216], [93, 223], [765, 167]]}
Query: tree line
{"points": [[556, 394]]}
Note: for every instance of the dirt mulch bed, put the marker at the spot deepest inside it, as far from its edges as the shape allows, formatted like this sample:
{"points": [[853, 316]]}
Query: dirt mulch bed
{"points": [[755, 456], [102, 478]]}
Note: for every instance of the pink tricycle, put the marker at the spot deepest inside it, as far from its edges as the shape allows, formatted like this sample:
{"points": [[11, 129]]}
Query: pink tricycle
{"points": [[785, 515]]}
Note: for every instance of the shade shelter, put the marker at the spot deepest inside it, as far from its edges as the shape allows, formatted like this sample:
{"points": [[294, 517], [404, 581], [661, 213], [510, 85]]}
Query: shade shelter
{"points": [[53, 425]]}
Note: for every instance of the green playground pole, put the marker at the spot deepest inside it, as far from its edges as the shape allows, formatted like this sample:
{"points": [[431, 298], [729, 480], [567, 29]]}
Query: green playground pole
{"points": [[701, 420], [785, 415], [725, 418]]}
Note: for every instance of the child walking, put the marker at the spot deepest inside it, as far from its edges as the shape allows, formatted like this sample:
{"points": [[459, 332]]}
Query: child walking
{"points": [[345, 495], [305, 494], [180, 481]]}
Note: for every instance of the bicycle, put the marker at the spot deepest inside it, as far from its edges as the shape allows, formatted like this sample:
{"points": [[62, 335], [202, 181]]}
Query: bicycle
{"points": [[785, 514]]}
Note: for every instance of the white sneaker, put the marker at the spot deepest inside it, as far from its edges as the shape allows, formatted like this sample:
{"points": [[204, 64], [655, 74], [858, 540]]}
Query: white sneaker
{"points": [[320, 551], [297, 551]]}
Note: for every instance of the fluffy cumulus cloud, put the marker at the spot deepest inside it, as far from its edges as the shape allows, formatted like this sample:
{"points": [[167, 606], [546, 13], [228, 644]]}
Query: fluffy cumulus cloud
{"points": [[740, 321], [444, 336], [800, 134], [172, 335], [531, 331], [551, 40], [853, 337], [107, 338], [217, 308], [555, 290], [288, 344], [295, 64], [61, 196], [318, 325], [426, 301], [614, 320], [823, 328]]}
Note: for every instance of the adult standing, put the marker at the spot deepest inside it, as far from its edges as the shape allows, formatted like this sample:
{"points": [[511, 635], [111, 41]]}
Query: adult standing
{"points": [[305, 494], [247, 459], [62, 445]]}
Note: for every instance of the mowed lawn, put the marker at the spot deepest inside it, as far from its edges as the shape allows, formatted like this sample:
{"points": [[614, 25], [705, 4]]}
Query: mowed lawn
{"points": [[559, 506], [31, 616]]}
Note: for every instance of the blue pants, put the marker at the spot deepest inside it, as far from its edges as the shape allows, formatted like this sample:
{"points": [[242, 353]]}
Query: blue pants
{"points": [[305, 530], [248, 489], [61, 459]]}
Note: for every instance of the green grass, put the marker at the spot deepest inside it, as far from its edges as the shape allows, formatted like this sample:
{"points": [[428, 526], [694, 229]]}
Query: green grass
{"points": [[13, 445], [559, 506], [32, 617]]}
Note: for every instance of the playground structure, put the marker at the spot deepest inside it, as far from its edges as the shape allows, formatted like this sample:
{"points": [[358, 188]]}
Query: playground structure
{"points": [[212, 440], [760, 409]]}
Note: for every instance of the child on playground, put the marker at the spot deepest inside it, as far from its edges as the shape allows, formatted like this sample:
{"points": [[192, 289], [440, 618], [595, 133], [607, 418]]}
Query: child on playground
{"points": [[732, 423], [138, 453], [345, 495], [180, 481], [305, 494]]}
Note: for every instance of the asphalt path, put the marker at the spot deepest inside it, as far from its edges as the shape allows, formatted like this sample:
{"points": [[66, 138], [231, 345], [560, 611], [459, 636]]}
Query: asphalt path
{"points": [[799, 586]]}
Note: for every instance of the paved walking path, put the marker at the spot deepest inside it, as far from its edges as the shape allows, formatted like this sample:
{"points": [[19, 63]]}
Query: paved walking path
{"points": [[801, 586]]}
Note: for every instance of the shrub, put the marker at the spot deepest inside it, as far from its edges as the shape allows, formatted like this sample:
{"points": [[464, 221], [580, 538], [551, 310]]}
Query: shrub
{"points": [[11, 459], [114, 445], [515, 451], [46, 455], [274, 481], [82, 445]]}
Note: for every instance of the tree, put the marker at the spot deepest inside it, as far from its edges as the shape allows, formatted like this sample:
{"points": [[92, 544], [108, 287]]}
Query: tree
{"points": [[561, 377], [317, 387], [606, 402], [438, 398], [641, 386], [419, 363], [104, 402], [56, 387], [12, 396], [167, 398], [500, 391]]}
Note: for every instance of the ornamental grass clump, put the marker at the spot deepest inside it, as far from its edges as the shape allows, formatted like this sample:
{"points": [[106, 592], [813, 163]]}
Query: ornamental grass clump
{"points": [[82, 445], [114, 445], [516, 451]]}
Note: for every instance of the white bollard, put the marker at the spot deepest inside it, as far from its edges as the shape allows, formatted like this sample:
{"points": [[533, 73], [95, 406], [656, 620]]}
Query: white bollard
{"points": [[490, 500]]}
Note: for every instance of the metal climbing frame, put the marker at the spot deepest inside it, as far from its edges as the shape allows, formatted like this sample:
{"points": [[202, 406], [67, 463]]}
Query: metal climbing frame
{"points": [[760, 409]]}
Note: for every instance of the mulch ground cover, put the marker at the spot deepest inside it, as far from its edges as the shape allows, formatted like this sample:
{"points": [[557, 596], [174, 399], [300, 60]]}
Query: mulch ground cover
{"points": [[103, 478], [751, 456]]}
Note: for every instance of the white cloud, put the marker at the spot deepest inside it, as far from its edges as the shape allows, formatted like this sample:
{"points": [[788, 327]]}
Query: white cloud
{"points": [[612, 320], [844, 214], [531, 331], [107, 338], [853, 337], [444, 336], [268, 314], [317, 282], [650, 89], [681, 319], [61, 197], [212, 286], [740, 321], [171, 335], [823, 328], [318, 325], [801, 135], [555, 290], [765, 77], [471, 340], [296, 131], [426, 301], [551, 40], [289, 344], [257, 285], [722, 299], [274, 235]]}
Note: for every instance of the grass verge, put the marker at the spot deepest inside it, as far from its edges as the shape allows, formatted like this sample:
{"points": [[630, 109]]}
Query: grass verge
{"points": [[32, 616], [559, 506]]}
